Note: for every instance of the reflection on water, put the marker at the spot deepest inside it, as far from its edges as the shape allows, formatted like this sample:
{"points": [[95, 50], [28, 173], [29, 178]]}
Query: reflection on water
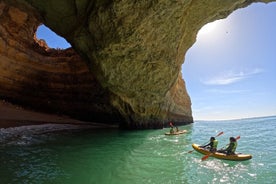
{"points": [[45, 154]]}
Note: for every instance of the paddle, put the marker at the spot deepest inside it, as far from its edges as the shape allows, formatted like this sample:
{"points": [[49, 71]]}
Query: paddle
{"points": [[207, 156], [208, 141]]}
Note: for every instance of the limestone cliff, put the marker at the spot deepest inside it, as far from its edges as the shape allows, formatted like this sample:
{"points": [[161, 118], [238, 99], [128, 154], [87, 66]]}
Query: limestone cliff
{"points": [[45, 79], [124, 64]]}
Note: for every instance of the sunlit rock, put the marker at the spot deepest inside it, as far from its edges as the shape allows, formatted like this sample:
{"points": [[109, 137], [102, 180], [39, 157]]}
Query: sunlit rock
{"points": [[125, 64]]}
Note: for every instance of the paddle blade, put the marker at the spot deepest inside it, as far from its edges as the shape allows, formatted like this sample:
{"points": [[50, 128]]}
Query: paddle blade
{"points": [[219, 134], [205, 157], [190, 151]]}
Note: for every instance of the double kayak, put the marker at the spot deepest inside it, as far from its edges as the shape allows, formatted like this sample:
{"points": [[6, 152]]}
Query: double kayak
{"points": [[236, 157], [176, 133]]}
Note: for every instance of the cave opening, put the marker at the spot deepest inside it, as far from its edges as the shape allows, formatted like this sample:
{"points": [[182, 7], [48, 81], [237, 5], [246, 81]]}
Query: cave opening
{"points": [[45, 34], [230, 69]]}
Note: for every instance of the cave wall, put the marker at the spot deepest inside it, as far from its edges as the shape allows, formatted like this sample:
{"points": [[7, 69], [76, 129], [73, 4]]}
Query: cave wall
{"points": [[44, 79], [125, 60]]}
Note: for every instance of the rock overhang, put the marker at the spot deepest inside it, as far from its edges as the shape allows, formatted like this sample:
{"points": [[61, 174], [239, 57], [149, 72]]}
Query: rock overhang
{"points": [[124, 64]]}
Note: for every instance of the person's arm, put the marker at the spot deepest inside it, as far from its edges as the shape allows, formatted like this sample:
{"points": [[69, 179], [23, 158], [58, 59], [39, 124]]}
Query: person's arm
{"points": [[230, 147], [206, 145]]}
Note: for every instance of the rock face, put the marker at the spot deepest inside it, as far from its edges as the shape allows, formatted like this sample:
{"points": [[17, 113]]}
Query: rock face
{"points": [[45, 79], [124, 64]]}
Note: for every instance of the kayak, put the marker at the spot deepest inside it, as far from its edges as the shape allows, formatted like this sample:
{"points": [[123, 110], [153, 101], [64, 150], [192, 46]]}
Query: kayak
{"points": [[236, 157], [176, 133]]}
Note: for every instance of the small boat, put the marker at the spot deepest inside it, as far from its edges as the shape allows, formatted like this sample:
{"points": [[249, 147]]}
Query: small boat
{"points": [[236, 157], [176, 133]]}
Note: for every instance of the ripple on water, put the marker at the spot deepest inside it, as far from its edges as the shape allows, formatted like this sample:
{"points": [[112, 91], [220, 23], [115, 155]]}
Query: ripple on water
{"points": [[137, 156], [31, 134]]}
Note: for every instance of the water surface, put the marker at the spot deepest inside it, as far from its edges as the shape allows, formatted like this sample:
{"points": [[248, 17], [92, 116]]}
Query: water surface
{"points": [[36, 154]]}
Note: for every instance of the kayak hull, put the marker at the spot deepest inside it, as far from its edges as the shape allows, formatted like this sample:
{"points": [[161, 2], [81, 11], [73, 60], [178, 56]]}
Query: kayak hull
{"points": [[176, 133], [236, 157]]}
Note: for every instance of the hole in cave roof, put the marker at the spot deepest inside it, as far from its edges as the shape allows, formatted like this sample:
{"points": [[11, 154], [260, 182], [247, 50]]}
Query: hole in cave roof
{"points": [[51, 38]]}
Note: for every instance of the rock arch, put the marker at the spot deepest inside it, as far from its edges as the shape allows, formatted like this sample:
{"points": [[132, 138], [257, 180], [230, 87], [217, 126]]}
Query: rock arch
{"points": [[124, 65]]}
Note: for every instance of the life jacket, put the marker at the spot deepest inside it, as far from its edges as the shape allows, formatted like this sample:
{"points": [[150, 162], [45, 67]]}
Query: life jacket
{"points": [[215, 144], [171, 130], [234, 147]]}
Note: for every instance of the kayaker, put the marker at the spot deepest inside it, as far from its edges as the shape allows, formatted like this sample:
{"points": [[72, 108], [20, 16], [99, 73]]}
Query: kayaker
{"points": [[172, 128], [212, 145], [230, 150]]}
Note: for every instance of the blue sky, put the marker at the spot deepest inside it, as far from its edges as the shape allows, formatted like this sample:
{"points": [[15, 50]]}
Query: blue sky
{"points": [[230, 72], [52, 39]]}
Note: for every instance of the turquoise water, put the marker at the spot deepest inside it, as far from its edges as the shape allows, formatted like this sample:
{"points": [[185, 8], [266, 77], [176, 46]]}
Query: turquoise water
{"points": [[35, 154]]}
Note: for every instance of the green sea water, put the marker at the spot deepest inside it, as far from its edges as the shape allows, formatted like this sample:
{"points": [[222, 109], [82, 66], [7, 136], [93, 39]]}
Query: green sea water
{"points": [[43, 154]]}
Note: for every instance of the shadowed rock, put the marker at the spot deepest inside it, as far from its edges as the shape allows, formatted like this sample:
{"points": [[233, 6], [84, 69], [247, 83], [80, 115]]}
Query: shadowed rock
{"points": [[124, 64]]}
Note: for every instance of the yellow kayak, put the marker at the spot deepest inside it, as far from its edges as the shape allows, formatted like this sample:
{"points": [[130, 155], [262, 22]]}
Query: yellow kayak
{"points": [[176, 133], [236, 157]]}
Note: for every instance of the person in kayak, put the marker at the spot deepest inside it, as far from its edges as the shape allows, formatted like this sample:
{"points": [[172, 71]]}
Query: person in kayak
{"points": [[230, 150], [172, 128], [212, 145]]}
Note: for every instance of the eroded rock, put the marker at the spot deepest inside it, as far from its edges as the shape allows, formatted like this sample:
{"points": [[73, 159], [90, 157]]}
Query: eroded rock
{"points": [[125, 64]]}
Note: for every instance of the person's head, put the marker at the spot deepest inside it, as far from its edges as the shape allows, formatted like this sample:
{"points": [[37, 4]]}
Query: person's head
{"points": [[232, 139], [212, 139]]}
